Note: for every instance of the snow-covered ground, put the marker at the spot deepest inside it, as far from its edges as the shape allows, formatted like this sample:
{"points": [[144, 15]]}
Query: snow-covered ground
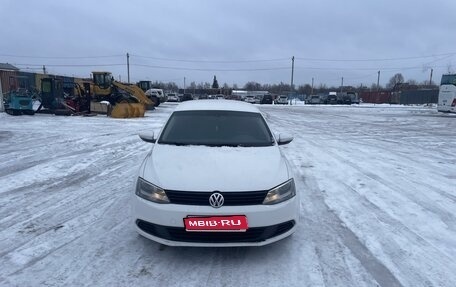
{"points": [[377, 187]]}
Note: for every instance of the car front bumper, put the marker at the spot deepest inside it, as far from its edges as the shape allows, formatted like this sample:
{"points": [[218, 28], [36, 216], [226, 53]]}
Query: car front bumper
{"points": [[164, 223]]}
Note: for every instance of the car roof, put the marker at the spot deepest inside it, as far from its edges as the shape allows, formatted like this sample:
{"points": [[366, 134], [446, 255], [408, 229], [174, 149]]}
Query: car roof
{"points": [[219, 105]]}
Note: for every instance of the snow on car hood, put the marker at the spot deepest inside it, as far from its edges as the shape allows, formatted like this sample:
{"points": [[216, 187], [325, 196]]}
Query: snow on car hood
{"points": [[202, 168]]}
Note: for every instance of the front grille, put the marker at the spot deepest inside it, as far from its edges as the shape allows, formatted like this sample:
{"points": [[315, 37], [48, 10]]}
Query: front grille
{"points": [[202, 198], [254, 234]]}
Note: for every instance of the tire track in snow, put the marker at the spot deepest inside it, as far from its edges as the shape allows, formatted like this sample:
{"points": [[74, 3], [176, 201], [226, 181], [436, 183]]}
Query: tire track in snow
{"points": [[320, 146], [326, 220], [445, 216], [71, 200], [332, 222]]}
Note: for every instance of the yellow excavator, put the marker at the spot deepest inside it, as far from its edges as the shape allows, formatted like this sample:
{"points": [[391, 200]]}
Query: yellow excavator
{"points": [[126, 101]]}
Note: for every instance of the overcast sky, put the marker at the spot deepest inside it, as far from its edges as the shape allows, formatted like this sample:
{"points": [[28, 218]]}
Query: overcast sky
{"points": [[237, 40]]}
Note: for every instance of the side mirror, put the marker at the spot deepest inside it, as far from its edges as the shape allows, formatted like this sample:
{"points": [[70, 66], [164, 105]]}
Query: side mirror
{"points": [[148, 137], [284, 139]]}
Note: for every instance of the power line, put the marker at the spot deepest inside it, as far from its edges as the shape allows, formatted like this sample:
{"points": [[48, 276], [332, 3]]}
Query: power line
{"points": [[234, 61], [364, 69], [211, 61], [211, 70], [376, 59], [70, 65], [60, 57], [234, 69]]}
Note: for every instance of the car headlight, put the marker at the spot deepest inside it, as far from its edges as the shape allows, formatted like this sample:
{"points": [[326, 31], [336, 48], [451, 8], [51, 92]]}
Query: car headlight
{"points": [[281, 193], [150, 192]]}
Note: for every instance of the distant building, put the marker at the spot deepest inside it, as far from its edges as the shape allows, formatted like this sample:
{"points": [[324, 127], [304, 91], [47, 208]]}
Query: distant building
{"points": [[8, 67], [8, 77]]}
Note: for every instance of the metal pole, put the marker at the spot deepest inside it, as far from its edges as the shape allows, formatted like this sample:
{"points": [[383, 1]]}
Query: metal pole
{"points": [[44, 69], [128, 67], [292, 72], [184, 85], [312, 90], [378, 81], [342, 85], [430, 78]]}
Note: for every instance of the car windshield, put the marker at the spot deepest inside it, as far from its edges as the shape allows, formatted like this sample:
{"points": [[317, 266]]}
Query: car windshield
{"points": [[216, 128]]}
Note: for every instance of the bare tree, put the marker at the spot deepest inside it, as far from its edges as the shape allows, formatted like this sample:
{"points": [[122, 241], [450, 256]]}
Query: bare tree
{"points": [[171, 86], [305, 89], [252, 86], [395, 80], [426, 83]]}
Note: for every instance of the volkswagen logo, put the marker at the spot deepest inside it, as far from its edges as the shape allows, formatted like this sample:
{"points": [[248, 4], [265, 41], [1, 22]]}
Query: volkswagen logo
{"points": [[216, 200]]}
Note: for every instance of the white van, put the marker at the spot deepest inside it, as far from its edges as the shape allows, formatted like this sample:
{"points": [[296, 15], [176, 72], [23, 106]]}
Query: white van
{"points": [[156, 94]]}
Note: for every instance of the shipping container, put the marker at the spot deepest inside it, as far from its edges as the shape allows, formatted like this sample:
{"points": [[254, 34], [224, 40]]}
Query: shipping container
{"points": [[376, 97], [418, 97]]}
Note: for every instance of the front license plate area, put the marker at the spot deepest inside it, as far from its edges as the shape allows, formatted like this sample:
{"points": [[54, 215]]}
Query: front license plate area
{"points": [[231, 223]]}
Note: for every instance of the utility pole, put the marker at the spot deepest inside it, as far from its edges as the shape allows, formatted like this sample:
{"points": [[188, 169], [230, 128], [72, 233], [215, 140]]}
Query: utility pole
{"points": [[342, 84], [184, 85], [128, 67], [44, 69], [430, 78], [292, 72], [312, 89], [378, 81]]}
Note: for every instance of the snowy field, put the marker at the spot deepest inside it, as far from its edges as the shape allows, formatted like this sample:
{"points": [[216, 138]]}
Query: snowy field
{"points": [[377, 183]]}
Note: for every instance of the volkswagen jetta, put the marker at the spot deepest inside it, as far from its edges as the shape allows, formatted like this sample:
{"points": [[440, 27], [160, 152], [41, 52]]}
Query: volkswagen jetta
{"points": [[215, 176]]}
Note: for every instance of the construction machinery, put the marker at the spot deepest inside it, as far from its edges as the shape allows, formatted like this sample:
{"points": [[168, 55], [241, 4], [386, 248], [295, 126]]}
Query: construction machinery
{"points": [[144, 85], [55, 100], [125, 100], [19, 102]]}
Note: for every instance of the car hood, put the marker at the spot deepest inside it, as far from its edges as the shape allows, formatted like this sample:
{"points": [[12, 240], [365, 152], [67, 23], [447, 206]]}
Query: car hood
{"points": [[202, 168]]}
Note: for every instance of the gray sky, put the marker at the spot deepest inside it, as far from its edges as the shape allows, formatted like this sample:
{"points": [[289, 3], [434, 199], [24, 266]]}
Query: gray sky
{"points": [[237, 40]]}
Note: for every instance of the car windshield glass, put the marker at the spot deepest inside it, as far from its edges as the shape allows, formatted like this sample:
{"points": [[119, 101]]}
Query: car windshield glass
{"points": [[216, 128]]}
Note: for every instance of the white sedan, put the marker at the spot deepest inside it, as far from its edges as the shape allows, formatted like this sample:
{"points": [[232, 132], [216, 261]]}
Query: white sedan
{"points": [[215, 176]]}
